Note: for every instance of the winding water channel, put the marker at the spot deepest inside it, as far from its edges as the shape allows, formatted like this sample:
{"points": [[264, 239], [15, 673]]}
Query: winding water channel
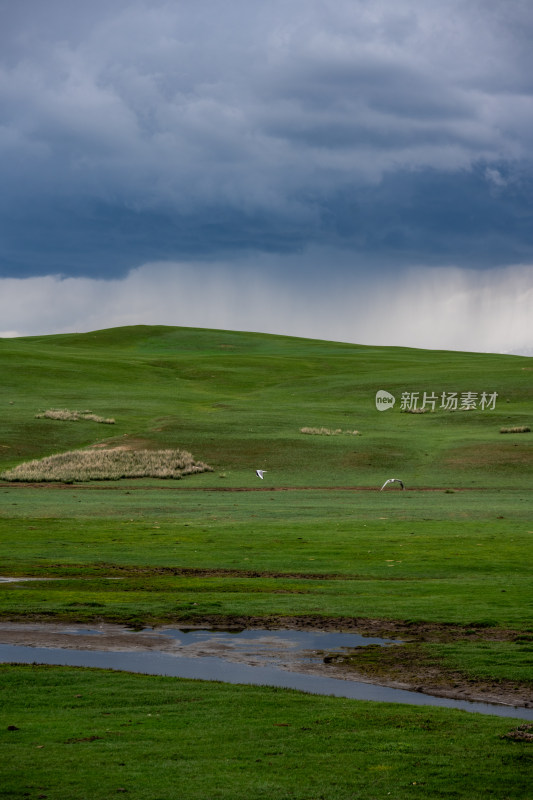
{"points": [[283, 658]]}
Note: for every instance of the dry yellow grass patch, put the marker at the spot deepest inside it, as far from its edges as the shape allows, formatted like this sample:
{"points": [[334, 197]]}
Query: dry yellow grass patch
{"points": [[327, 431], [108, 464], [66, 415]]}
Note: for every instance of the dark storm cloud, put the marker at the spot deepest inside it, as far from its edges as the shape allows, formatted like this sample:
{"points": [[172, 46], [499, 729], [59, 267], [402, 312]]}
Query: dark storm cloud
{"points": [[397, 132]]}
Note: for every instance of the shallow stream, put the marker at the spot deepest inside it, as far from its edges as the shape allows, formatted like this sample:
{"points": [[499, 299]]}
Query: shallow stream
{"points": [[284, 658]]}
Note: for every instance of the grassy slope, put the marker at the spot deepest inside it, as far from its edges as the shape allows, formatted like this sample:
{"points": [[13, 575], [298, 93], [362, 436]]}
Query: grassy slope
{"points": [[238, 401]]}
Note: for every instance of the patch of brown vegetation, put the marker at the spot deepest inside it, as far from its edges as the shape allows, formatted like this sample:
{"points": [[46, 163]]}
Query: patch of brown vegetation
{"points": [[82, 739], [489, 455], [524, 733], [125, 442]]}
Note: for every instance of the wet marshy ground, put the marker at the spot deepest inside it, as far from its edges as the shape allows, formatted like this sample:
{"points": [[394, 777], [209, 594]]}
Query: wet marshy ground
{"points": [[296, 659]]}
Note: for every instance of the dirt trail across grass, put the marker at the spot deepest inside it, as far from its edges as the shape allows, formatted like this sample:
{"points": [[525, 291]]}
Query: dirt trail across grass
{"points": [[129, 488]]}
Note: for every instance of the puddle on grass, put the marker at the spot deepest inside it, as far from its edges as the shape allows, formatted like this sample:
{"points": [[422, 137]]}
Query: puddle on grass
{"points": [[265, 644], [256, 657], [4, 579], [20, 580]]}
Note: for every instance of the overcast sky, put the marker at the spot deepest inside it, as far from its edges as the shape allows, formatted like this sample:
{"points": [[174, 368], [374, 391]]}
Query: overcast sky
{"points": [[358, 170]]}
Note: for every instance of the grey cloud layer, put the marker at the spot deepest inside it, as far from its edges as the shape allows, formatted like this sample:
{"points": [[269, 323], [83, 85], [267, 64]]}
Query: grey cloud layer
{"points": [[443, 308], [399, 131]]}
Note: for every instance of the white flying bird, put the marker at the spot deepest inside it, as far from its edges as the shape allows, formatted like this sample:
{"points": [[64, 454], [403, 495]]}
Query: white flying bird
{"points": [[260, 473], [392, 480]]}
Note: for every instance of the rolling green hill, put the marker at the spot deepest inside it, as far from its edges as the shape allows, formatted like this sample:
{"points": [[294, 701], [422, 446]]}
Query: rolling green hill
{"points": [[238, 401]]}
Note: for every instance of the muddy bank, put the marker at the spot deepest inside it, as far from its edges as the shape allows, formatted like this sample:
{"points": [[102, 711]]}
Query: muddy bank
{"points": [[397, 666], [385, 628], [408, 666]]}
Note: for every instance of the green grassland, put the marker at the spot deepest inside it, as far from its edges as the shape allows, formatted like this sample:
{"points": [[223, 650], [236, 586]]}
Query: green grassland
{"points": [[94, 734], [268, 554], [455, 554], [316, 539]]}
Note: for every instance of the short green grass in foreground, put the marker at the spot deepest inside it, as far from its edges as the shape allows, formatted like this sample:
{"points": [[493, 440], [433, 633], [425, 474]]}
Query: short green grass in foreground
{"points": [[95, 734]]}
